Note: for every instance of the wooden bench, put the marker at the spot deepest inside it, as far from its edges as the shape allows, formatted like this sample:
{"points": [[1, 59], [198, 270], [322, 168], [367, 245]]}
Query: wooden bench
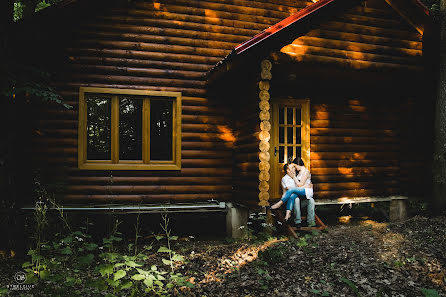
{"points": [[397, 212]]}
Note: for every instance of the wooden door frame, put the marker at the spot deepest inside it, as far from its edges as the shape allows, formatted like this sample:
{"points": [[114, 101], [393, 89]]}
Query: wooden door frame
{"points": [[274, 187]]}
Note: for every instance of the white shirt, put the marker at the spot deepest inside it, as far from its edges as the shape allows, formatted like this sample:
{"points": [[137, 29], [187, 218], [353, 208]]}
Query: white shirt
{"points": [[288, 183]]}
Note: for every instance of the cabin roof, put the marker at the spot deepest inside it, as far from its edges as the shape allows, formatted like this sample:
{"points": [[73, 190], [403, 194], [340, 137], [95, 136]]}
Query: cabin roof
{"points": [[413, 11]]}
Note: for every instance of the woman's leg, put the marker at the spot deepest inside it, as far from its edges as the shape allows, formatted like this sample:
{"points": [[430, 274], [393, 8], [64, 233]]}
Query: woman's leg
{"points": [[291, 194]]}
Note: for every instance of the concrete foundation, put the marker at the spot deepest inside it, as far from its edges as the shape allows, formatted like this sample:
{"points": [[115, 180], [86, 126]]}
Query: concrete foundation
{"points": [[398, 210], [236, 221]]}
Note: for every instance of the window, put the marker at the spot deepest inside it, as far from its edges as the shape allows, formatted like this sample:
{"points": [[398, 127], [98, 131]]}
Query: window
{"points": [[129, 129]]}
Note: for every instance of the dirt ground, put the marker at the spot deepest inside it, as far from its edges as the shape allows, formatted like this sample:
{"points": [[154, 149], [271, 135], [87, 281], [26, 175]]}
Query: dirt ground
{"points": [[365, 258]]}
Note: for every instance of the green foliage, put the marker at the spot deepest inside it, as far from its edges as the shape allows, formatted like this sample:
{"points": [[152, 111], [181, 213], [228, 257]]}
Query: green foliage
{"points": [[28, 82], [273, 254], [351, 285], [430, 293], [320, 292], [73, 262]]}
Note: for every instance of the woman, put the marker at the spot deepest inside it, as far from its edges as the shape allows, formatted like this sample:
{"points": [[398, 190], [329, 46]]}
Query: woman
{"points": [[303, 189]]}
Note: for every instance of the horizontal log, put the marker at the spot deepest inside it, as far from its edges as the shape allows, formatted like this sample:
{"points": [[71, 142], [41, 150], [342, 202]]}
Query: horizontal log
{"points": [[119, 79], [250, 147], [139, 72], [196, 136], [202, 163], [125, 62], [218, 110], [57, 124], [353, 163], [146, 189], [316, 179], [246, 157], [370, 30], [373, 147], [146, 198], [354, 170], [125, 18], [349, 63], [153, 47], [190, 14], [144, 55], [370, 114], [196, 154], [136, 180], [257, 8], [371, 132], [355, 185], [118, 26], [185, 91], [362, 47], [354, 156], [205, 145], [158, 39], [351, 124], [290, 6], [59, 142], [352, 140], [248, 166], [368, 39], [373, 21], [356, 193], [370, 109], [218, 120], [355, 55], [199, 128], [245, 185]]}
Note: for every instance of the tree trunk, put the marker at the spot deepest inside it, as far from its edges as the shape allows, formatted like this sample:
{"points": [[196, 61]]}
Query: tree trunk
{"points": [[439, 164]]}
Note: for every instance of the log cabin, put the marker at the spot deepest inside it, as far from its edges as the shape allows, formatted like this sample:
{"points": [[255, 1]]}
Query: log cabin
{"points": [[186, 102]]}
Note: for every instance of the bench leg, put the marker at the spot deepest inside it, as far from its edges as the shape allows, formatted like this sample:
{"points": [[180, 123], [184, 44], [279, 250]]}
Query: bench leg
{"points": [[236, 217], [398, 210]]}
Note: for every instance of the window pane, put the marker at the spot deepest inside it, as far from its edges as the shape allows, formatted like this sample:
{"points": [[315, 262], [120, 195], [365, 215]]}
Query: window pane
{"points": [[289, 115], [281, 134], [130, 128], [299, 151], [297, 115], [289, 135], [282, 154], [281, 115], [161, 129], [98, 127], [298, 135], [290, 155]]}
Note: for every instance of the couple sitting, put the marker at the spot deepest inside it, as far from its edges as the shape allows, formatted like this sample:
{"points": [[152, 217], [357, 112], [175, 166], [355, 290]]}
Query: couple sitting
{"points": [[297, 189]]}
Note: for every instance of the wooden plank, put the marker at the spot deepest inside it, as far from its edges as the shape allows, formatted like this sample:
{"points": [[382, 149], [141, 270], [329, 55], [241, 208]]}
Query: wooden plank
{"points": [[353, 200]]}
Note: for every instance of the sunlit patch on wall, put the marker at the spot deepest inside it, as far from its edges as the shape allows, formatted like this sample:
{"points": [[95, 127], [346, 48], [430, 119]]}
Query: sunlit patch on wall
{"points": [[225, 134], [210, 13]]}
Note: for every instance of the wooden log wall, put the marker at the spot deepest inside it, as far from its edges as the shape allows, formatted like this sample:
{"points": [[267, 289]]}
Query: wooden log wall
{"points": [[160, 45], [361, 147], [362, 38], [170, 45]]}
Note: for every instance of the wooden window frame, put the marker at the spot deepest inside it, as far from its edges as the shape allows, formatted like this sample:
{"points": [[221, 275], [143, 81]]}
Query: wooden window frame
{"points": [[114, 163]]}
